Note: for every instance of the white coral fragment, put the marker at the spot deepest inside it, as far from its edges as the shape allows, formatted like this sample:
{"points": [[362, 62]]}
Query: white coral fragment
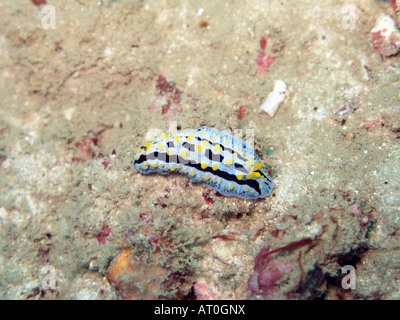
{"points": [[275, 98], [385, 36]]}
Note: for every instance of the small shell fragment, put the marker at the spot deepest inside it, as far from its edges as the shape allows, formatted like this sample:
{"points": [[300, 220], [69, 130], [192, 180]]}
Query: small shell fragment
{"points": [[275, 98]]}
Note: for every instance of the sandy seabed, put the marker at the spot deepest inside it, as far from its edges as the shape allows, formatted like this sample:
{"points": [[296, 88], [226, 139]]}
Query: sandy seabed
{"points": [[79, 93]]}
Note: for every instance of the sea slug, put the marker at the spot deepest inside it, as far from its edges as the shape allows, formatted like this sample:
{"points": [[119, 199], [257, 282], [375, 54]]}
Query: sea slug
{"points": [[207, 155]]}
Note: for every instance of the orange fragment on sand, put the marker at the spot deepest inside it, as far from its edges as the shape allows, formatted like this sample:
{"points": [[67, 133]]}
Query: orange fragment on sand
{"points": [[121, 266], [132, 279]]}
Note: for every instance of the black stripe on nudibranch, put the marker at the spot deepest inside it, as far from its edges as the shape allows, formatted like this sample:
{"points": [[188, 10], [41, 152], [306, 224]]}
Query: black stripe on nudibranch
{"points": [[239, 167], [224, 148], [175, 159], [170, 144], [212, 156], [188, 146]]}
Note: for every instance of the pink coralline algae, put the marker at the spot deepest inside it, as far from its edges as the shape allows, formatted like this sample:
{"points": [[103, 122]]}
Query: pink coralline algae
{"points": [[385, 36], [263, 43], [84, 146], [269, 273], [263, 63], [85, 149], [264, 60], [168, 91], [396, 5], [203, 292], [105, 232], [38, 2], [240, 113]]}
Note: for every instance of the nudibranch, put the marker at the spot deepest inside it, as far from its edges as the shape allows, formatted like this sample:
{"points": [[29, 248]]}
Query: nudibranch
{"points": [[207, 155]]}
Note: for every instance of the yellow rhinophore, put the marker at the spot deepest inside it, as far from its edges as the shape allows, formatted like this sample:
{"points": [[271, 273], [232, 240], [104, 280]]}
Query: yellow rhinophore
{"points": [[215, 167], [204, 165]]}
